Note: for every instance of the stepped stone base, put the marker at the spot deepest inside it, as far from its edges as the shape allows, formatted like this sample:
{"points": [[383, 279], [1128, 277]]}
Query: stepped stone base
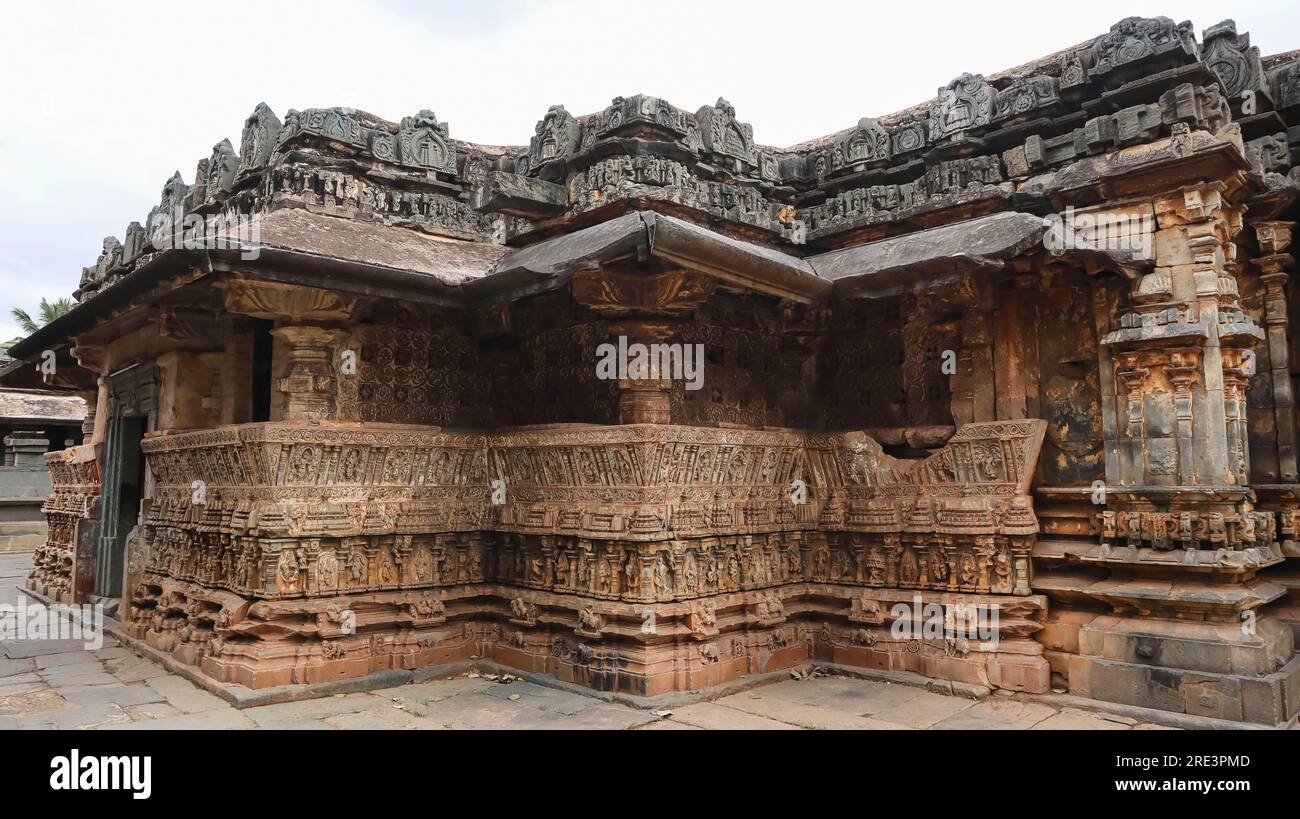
{"points": [[1201, 669], [644, 649]]}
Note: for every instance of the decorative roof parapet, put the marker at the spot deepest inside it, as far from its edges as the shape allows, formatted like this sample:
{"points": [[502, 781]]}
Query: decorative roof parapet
{"points": [[1284, 82], [868, 144], [965, 104], [626, 112], [981, 145], [261, 132], [222, 168], [422, 143], [724, 136], [1136, 44], [555, 139], [1233, 60]]}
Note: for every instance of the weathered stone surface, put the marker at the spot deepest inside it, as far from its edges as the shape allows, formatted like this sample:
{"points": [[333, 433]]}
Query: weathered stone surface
{"points": [[1022, 348], [520, 196], [927, 257]]}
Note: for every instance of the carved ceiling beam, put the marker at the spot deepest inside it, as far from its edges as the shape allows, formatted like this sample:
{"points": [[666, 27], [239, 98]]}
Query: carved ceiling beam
{"points": [[623, 289], [186, 323], [291, 303]]}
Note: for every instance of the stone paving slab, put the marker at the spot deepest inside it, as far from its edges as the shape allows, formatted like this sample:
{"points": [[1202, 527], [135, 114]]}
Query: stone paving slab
{"points": [[134, 669], [382, 717], [996, 714], [9, 668], [803, 715], [851, 696], [669, 725], [185, 695], [224, 719], [20, 649], [308, 710], [1074, 720], [33, 700], [70, 717], [713, 716], [152, 711], [124, 696], [79, 657], [305, 724], [78, 677], [438, 690], [924, 710], [604, 717]]}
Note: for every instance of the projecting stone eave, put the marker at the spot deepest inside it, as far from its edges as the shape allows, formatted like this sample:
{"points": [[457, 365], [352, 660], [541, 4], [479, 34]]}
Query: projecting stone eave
{"points": [[930, 258], [35, 406], [643, 235]]}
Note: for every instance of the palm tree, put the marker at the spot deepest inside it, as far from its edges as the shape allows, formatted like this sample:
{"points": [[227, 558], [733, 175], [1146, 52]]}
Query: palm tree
{"points": [[49, 312]]}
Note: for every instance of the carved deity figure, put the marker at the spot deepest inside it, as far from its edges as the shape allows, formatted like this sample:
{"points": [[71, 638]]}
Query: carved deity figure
{"points": [[327, 570]]}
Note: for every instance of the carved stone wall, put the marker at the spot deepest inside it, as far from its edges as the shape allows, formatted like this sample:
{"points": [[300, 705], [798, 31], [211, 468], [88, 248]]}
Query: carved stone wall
{"points": [[413, 376], [71, 511], [1159, 380], [293, 533], [884, 366]]}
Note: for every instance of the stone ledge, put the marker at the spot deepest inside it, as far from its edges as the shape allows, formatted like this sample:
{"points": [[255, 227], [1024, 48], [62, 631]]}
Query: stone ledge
{"points": [[243, 697]]}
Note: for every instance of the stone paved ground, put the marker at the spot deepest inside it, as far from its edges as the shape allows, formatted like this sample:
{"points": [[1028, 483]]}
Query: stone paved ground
{"points": [[45, 684]]}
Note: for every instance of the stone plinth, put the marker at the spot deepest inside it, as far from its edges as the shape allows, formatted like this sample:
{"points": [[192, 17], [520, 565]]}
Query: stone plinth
{"points": [[643, 558]]}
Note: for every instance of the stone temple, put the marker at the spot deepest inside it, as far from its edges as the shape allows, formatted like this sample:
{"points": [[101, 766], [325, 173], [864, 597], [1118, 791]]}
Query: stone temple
{"points": [[1023, 348]]}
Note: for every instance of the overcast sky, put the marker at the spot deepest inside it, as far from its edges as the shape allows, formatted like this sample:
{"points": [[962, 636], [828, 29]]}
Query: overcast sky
{"points": [[103, 101]]}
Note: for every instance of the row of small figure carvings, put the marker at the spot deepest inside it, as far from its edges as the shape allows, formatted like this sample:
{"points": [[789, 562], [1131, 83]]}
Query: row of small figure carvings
{"points": [[683, 569], [637, 482]]}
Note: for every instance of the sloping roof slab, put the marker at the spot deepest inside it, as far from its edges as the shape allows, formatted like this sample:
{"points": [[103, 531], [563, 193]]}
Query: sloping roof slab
{"points": [[931, 257], [645, 234]]}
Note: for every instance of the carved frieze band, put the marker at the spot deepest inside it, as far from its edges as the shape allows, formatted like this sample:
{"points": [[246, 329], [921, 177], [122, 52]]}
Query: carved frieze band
{"points": [[284, 509]]}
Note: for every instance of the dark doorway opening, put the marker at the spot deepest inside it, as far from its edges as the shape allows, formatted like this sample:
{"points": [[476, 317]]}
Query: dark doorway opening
{"points": [[260, 382]]}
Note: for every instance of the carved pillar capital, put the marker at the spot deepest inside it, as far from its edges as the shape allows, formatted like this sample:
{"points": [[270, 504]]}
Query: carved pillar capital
{"points": [[91, 358], [1273, 236]]}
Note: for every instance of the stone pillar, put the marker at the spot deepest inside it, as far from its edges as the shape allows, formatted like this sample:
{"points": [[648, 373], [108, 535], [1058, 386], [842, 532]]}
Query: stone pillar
{"points": [[1180, 532], [1274, 240], [647, 399], [308, 380], [305, 341], [91, 397], [27, 448], [644, 401], [1178, 353], [645, 307], [801, 334], [972, 385]]}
